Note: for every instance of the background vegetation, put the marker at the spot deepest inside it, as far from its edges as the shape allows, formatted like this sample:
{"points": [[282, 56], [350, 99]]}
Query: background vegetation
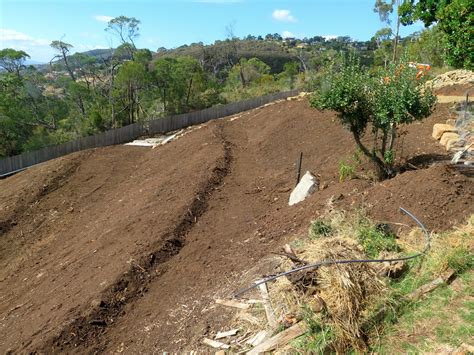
{"points": [[84, 93]]}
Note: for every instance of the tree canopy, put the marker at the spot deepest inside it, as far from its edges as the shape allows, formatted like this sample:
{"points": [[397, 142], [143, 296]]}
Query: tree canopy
{"points": [[454, 17]]}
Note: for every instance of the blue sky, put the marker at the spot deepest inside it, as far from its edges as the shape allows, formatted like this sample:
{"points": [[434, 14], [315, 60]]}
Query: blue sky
{"points": [[30, 25]]}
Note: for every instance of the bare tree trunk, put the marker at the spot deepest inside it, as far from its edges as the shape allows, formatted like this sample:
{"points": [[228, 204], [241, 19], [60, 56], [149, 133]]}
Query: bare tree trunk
{"points": [[189, 91], [393, 136], [68, 68], [111, 93], [302, 60], [242, 77], [130, 102], [395, 40], [378, 163]]}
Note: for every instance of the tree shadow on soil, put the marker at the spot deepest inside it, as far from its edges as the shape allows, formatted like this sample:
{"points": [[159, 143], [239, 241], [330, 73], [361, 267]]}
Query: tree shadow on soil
{"points": [[423, 161]]}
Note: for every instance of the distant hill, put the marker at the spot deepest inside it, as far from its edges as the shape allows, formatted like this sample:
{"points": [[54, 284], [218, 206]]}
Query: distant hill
{"points": [[273, 53], [100, 53], [33, 62]]}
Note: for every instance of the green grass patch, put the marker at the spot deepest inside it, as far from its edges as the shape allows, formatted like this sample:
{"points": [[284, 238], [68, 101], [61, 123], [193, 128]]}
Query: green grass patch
{"points": [[318, 338], [460, 260]]}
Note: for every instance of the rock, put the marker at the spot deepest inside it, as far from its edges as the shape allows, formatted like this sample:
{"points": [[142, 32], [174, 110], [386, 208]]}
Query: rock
{"points": [[458, 76], [440, 128], [307, 185], [447, 136], [455, 143], [451, 122]]}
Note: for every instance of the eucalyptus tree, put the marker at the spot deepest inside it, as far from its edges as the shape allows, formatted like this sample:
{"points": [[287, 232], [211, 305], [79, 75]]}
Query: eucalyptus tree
{"points": [[127, 30], [12, 60]]}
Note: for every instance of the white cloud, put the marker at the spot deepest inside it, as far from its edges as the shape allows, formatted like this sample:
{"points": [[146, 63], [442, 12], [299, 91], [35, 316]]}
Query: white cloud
{"points": [[103, 18], [329, 37], [37, 48], [283, 15], [287, 34], [12, 37]]}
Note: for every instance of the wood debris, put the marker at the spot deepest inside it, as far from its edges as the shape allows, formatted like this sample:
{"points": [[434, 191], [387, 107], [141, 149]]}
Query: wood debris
{"points": [[215, 344], [252, 301], [226, 334], [232, 303], [432, 285], [258, 338], [267, 305], [279, 340], [246, 317]]}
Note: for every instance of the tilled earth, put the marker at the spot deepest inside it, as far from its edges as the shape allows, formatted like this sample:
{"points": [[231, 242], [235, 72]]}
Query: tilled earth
{"points": [[124, 249]]}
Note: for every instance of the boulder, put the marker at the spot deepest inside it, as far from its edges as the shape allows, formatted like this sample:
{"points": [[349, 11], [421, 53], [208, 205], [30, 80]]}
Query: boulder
{"points": [[440, 128], [307, 185], [447, 136], [455, 143]]}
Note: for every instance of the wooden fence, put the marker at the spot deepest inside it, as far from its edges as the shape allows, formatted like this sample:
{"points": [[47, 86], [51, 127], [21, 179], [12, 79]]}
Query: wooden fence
{"points": [[128, 133]]}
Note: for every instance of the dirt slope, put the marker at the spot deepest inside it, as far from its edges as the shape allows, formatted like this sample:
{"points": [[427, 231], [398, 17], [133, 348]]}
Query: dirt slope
{"points": [[125, 248]]}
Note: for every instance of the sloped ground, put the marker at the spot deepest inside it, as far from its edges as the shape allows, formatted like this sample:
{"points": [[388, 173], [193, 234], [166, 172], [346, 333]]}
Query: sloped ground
{"points": [[125, 248]]}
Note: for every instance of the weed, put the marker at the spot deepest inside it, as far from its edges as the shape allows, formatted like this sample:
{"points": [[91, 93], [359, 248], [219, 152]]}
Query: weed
{"points": [[319, 228], [346, 171], [389, 157], [374, 240], [356, 156], [460, 260]]}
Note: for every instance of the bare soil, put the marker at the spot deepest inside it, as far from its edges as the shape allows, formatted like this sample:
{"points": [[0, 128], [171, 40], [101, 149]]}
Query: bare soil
{"points": [[124, 249]]}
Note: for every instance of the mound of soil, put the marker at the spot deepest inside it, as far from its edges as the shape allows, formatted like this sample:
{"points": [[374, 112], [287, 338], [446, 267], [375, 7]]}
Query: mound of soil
{"points": [[443, 195], [455, 90], [125, 248]]}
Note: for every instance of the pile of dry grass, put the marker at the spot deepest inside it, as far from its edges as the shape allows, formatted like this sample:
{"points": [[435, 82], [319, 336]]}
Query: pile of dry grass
{"points": [[339, 294]]}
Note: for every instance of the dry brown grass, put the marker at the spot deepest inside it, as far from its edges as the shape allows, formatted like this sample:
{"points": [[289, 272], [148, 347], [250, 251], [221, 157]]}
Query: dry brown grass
{"points": [[341, 293], [345, 298]]}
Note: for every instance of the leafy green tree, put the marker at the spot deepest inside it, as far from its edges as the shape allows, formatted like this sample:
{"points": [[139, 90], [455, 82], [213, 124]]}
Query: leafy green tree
{"points": [[385, 8], [63, 49], [126, 29], [423, 10], [428, 46], [163, 69], [454, 17], [382, 35], [248, 71], [181, 82], [382, 38], [14, 115], [291, 70], [380, 104], [144, 57], [457, 21], [12, 60], [131, 79]]}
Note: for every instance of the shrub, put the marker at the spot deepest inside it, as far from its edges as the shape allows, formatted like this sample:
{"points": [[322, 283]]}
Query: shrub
{"points": [[381, 103]]}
